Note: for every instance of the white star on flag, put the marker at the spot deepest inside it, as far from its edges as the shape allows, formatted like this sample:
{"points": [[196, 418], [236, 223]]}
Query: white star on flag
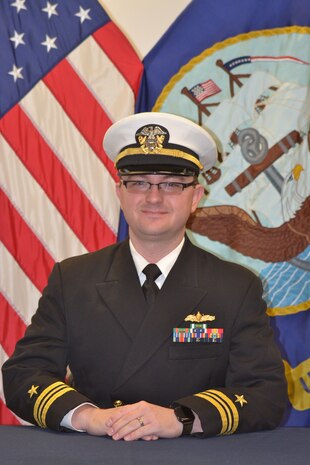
{"points": [[50, 9], [83, 14], [17, 39], [49, 43], [16, 73], [19, 5]]}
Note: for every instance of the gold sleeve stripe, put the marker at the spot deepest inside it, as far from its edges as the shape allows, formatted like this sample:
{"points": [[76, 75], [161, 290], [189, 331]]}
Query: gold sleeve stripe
{"points": [[52, 400], [218, 407], [232, 412], [43, 398], [232, 407], [229, 423], [226, 408], [46, 399]]}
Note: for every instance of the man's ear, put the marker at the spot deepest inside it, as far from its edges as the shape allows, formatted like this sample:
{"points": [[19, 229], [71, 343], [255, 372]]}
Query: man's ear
{"points": [[198, 194]]}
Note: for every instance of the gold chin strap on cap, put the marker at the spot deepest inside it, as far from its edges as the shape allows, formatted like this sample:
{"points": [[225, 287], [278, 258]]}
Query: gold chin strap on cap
{"points": [[168, 152]]}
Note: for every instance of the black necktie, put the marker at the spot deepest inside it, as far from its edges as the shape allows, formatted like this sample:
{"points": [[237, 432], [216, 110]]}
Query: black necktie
{"points": [[149, 287]]}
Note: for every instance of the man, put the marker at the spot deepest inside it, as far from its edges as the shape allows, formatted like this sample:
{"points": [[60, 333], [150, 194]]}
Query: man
{"points": [[187, 351]]}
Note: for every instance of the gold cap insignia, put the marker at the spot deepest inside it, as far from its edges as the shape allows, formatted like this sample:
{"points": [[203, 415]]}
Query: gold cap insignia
{"points": [[152, 138], [240, 399], [199, 317], [33, 391]]}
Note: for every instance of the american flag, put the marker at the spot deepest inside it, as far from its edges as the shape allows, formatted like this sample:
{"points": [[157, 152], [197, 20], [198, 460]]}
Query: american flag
{"points": [[66, 74], [204, 90]]}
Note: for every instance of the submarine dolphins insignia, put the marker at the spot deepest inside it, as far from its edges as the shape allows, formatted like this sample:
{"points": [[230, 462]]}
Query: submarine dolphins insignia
{"points": [[199, 317]]}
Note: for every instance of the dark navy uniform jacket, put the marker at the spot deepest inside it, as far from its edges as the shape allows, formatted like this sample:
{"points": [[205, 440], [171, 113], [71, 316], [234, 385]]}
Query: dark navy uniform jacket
{"points": [[93, 318]]}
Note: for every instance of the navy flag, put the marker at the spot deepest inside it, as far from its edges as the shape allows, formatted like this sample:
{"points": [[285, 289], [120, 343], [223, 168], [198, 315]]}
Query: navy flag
{"points": [[257, 208]]}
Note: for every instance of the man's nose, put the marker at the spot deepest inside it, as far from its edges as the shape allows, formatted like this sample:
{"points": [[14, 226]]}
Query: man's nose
{"points": [[154, 193]]}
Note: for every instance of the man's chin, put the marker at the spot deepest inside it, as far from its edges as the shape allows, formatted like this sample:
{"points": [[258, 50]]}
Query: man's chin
{"points": [[154, 230]]}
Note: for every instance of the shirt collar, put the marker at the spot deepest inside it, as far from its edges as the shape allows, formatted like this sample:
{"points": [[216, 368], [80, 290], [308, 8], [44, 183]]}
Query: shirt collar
{"points": [[165, 264]]}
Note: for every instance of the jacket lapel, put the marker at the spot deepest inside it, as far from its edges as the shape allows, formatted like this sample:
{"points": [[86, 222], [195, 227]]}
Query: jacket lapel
{"points": [[177, 298], [122, 293]]}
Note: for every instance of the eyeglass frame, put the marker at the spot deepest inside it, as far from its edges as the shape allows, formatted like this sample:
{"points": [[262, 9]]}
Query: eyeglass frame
{"points": [[184, 185]]}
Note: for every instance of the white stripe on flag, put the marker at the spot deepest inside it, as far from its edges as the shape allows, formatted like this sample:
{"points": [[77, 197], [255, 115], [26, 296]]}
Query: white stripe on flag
{"points": [[113, 92], [44, 220], [25, 301], [73, 151]]}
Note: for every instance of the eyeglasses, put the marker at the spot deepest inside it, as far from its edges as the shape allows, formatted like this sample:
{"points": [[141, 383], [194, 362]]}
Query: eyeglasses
{"points": [[168, 187]]}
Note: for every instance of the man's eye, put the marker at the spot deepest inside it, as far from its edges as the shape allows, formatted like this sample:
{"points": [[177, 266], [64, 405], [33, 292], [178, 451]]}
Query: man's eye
{"points": [[173, 184], [138, 183]]}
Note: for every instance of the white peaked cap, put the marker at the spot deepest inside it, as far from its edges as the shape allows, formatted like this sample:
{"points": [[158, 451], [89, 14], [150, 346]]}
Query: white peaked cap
{"points": [[159, 142]]}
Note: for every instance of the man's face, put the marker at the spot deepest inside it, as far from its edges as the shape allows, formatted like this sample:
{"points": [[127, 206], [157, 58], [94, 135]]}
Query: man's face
{"points": [[155, 215]]}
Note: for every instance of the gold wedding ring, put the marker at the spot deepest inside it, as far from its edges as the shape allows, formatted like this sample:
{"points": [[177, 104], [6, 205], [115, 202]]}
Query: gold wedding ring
{"points": [[140, 421]]}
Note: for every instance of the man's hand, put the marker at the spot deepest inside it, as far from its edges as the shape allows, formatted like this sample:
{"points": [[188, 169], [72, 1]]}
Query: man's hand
{"points": [[130, 422], [92, 420], [143, 421]]}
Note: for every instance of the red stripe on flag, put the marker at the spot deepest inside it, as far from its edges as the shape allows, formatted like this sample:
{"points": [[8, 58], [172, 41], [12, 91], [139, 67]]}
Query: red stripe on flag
{"points": [[6, 416], [23, 244], [121, 53], [55, 180], [12, 327], [82, 108]]}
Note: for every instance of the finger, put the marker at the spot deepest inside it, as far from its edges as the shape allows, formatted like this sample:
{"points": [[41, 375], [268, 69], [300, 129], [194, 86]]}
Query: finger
{"points": [[141, 434], [130, 430], [150, 437], [146, 433], [132, 419], [118, 413]]}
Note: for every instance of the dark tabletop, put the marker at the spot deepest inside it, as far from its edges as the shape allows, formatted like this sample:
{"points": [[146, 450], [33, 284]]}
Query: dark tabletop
{"points": [[26, 445]]}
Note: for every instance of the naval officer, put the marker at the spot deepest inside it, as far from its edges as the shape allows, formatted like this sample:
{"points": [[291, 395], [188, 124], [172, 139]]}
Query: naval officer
{"points": [[162, 338]]}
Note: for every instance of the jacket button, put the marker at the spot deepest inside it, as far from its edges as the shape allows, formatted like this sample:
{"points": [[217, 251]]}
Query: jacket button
{"points": [[117, 403]]}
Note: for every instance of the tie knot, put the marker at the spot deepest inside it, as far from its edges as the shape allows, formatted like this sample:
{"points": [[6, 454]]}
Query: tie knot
{"points": [[151, 272]]}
